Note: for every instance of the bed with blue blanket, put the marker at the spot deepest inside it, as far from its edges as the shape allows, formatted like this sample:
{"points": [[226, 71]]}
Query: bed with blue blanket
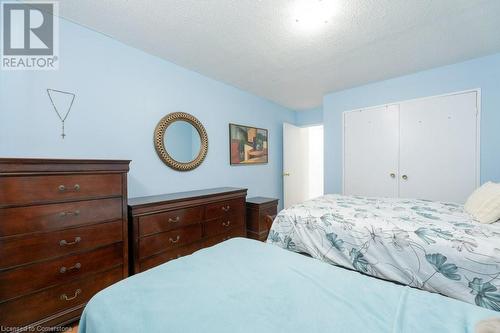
{"points": [[429, 245], [243, 285]]}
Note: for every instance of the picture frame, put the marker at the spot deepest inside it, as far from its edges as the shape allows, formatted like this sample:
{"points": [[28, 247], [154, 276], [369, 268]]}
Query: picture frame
{"points": [[248, 145]]}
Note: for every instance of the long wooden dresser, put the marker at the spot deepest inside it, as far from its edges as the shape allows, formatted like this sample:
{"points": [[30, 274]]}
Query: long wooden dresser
{"points": [[63, 237], [166, 227]]}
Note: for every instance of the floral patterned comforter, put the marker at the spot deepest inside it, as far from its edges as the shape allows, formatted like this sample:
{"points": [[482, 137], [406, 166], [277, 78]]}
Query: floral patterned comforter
{"points": [[429, 245]]}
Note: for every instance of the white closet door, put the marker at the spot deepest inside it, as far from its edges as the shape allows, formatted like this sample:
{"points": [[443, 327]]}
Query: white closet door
{"points": [[438, 142], [371, 143]]}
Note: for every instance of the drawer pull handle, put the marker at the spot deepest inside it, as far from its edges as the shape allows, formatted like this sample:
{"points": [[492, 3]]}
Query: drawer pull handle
{"points": [[65, 242], [65, 297], [63, 188], [173, 241], [226, 224], [77, 266], [64, 214], [174, 220], [226, 208]]}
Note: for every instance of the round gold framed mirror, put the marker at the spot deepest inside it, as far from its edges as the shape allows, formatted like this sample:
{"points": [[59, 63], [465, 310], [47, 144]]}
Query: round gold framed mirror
{"points": [[181, 141]]}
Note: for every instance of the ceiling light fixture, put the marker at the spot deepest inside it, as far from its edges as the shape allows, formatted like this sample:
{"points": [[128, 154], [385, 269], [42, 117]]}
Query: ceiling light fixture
{"points": [[312, 15]]}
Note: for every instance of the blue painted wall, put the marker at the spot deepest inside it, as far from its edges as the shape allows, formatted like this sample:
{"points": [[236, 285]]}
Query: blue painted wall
{"points": [[122, 93], [309, 117], [481, 73]]}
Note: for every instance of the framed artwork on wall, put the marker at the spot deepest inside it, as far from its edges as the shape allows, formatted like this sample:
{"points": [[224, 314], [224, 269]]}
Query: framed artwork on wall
{"points": [[248, 145]]}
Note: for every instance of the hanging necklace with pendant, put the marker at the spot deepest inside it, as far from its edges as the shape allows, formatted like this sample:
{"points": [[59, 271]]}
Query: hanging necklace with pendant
{"points": [[62, 118]]}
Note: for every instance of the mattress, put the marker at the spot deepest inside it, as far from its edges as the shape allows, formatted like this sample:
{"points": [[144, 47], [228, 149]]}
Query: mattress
{"points": [[243, 285], [433, 246]]}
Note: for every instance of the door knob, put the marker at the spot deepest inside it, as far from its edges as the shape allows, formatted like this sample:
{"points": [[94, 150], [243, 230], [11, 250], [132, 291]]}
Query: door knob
{"points": [[405, 177], [393, 175], [286, 173]]}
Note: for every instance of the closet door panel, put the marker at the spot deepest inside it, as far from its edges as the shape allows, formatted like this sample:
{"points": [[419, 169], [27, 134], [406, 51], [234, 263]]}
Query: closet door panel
{"points": [[371, 147], [438, 142]]}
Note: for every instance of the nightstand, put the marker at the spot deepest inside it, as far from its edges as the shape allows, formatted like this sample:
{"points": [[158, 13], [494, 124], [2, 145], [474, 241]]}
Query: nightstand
{"points": [[260, 215]]}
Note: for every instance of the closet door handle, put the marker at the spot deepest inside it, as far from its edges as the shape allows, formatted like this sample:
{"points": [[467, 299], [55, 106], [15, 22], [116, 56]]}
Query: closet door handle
{"points": [[392, 174], [405, 177]]}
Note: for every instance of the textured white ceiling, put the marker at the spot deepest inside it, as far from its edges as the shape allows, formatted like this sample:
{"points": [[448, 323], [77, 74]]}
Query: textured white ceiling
{"points": [[255, 44]]}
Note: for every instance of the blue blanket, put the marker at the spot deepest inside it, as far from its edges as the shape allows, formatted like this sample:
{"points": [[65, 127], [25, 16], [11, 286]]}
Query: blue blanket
{"points": [[243, 285]]}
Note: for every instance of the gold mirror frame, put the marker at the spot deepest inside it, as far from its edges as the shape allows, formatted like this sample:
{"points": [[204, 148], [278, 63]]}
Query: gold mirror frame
{"points": [[159, 142]]}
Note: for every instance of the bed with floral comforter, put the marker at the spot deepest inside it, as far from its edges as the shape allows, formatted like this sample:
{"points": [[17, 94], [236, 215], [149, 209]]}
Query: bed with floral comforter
{"points": [[429, 245]]}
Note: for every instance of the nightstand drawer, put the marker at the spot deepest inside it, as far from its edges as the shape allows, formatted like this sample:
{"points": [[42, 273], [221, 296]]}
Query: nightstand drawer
{"points": [[153, 244], [155, 223], [17, 251], [264, 221], [261, 212], [29, 219]]}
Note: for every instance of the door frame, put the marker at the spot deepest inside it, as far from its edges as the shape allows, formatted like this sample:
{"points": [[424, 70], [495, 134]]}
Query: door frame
{"points": [[478, 126]]}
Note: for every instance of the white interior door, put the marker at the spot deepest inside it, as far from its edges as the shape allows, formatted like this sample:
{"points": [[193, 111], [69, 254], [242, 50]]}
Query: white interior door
{"points": [[371, 148], [438, 153], [295, 164], [316, 161]]}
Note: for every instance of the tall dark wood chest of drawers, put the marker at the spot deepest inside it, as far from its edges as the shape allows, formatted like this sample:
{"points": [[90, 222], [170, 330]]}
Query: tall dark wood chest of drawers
{"points": [[169, 226], [63, 237]]}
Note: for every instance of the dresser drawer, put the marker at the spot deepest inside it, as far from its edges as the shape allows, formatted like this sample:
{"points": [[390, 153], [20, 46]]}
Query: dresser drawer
{"points": [[29, 309], [155, 223], [40, 189], [21, 250], [235, 232], [223, 208], [169, 255], [28, 219], [166, 240], [224, 224], [34, 277]]}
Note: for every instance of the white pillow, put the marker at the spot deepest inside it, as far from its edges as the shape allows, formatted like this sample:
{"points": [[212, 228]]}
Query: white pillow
{"points": [[484, 203], [475, 200]]}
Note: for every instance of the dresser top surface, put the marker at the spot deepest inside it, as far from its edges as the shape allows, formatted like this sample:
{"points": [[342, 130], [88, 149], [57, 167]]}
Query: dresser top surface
{"points": [[45, 165], [179, 196], [14, 160], [261, 200]]}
